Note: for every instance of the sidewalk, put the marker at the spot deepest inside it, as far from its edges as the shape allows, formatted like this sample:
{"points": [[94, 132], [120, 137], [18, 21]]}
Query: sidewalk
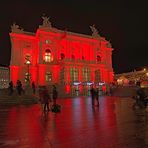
{"points": [[113, 125]]}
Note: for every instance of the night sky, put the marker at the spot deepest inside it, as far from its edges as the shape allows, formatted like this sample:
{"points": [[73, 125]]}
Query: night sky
{"points": [[123, 22]]}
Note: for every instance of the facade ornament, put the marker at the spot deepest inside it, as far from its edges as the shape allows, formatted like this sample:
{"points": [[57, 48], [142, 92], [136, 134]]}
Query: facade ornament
{"points": [[95, 33], [46, 22], [109, 45], [16, 28]]}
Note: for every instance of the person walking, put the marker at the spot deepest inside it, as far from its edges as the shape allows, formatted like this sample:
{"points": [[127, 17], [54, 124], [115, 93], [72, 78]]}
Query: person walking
{"points": [[55, 94], [46, 99], [93, 94], [33, 87], [41, 101], [97, 97], [10, 88], [19, 87], [108, 89]]}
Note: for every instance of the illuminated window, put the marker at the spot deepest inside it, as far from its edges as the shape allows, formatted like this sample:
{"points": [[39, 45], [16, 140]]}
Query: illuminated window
{"points": [[62, 56], [48, 76], [74, 74], [98, 58], [86, 74], [48, 57]]}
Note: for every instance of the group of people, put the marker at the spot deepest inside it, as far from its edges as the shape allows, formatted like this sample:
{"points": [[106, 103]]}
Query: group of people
{"points": [[95, 96], [44, 95], [45, 98], [19, 88], [141, 98]]}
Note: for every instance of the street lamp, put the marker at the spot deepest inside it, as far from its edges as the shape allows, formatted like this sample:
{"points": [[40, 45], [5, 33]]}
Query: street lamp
{"points": [[27, 77]]}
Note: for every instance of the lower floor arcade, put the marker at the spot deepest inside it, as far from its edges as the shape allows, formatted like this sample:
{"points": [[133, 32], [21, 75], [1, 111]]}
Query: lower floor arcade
{"points": [[70, 80]]}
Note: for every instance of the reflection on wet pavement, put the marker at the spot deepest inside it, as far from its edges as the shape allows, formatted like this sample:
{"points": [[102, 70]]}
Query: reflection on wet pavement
{"points": [[114, 124]]}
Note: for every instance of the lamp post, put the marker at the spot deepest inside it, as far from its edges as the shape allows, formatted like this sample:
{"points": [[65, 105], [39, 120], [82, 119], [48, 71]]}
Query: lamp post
{"points": [[27, 78]]}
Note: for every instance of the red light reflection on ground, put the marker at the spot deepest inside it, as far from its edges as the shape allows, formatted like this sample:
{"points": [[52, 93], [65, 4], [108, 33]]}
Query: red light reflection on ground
{"points": [[78, 125]]}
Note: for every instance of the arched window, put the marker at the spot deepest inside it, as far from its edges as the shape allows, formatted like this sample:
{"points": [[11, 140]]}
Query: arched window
{"points": [[48, 57], [62, 56], [98, 58]]}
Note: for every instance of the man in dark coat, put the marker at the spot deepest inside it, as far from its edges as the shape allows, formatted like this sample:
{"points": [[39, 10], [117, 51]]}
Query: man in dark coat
{"points": [[55, 94], [33, 87], [46, 99], [93, 94], [97, 96], [10, 88]]}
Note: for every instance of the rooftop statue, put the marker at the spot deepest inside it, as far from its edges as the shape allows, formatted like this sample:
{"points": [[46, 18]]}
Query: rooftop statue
{"points": [[94, 32], [46, 22], [16, 28]]}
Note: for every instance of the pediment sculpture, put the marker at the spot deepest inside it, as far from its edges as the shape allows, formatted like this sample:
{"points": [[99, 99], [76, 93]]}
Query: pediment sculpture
{"points": [[95, 33], [16, 28], [46, 22], [109, 45]]}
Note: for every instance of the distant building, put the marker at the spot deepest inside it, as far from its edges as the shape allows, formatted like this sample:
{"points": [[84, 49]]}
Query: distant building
{"points": [[133, 77], [50, 56], [4, 77]]}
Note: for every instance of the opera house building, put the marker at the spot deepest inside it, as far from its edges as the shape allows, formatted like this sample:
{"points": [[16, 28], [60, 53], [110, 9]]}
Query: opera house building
{"points": [[71, 61]]}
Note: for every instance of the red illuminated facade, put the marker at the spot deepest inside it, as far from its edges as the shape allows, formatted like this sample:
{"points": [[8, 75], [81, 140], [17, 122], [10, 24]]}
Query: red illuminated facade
{"points": [[51, 56]]}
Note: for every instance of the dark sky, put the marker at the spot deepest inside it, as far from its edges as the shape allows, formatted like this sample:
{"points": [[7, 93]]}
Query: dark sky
{"points": [[123, 22]]}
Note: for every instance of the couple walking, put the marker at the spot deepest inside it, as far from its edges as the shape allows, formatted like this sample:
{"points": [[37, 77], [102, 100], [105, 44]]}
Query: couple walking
{"points": [[46, 99], [95, 96]]}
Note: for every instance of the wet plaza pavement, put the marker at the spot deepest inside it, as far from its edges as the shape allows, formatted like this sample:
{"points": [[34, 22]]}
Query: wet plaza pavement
{"points": [[114, 124]]}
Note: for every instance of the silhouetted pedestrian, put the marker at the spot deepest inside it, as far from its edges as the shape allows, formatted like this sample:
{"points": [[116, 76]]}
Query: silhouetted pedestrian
{"points": [[33, 87], [46, 99], [140, 92], [19, 87], [93, 94], [111, 89], [107, 89], [97, 97], [10, 88], [55, 94], [40, 92]]}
